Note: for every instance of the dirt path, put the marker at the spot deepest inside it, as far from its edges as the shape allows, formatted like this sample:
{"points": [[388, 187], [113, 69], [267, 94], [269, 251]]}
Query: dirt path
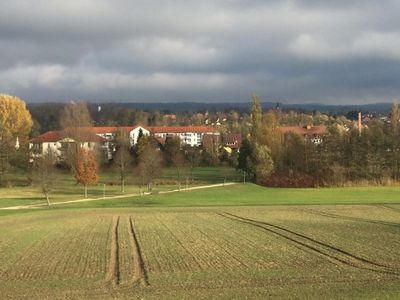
{"points": [[118, 197]]}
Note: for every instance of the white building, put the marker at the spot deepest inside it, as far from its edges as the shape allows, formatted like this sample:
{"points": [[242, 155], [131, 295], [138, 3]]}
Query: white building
{"points": [[109, 132], [189, 135]]}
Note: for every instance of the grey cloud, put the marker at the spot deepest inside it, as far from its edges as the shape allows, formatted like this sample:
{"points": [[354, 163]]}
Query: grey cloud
{"points": [[155, 50]]}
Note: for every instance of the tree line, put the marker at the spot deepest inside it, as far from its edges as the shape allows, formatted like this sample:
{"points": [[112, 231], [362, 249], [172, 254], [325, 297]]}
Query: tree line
{"points": [[344, 155]]}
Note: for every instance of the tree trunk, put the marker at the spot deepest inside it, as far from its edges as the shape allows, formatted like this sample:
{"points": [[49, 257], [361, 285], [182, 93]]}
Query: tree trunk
{"points": [[85, 191], [123, 186], [47, 199], [179, 179]]}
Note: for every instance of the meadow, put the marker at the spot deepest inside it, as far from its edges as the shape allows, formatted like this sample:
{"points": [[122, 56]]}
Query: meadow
{"points": [[65, 187], [240, 241]]}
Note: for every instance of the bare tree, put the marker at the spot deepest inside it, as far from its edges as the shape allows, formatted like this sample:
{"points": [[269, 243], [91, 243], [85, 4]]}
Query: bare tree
{"points": [[76, 125], [211, 146], [193, 156], [122, 158], [44, 173], [150, 165], [174, 156]]}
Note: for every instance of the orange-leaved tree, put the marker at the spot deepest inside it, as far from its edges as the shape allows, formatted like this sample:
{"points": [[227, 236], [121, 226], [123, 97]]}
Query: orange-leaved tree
{"points": [[86, 168]]}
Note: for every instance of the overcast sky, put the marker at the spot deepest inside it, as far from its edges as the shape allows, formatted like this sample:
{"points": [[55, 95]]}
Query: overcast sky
{"points": [[208, 50]]}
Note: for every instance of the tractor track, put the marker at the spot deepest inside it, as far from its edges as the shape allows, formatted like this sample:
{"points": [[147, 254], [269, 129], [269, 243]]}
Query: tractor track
{"points": [[355, 219], [141, 273], [114, 272], [396, 209], [326, 250]]}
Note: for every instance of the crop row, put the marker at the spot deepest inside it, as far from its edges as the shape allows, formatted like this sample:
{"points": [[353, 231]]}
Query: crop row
{"points": [[74, 250]]}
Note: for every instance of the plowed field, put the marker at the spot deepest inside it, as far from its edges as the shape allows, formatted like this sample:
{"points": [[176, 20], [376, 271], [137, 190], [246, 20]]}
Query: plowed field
{"points": [[227, 252]]}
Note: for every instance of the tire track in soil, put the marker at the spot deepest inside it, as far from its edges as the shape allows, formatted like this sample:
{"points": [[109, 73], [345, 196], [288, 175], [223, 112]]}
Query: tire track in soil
{"points": [[396, 209], [140, 272], [113, 275], [296, 238], [348, 218]]}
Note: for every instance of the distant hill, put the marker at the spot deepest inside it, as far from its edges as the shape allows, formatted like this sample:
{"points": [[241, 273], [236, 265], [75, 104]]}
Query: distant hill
{"points": [[239, 106], [244, 106]]}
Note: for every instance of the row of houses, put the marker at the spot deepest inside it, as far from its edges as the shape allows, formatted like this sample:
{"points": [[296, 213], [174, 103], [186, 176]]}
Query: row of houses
{"points": [[194, 136], [101, 137]]}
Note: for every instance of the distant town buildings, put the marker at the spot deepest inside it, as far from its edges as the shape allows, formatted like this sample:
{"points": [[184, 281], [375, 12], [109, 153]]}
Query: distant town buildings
{"points": [[102, 137]]}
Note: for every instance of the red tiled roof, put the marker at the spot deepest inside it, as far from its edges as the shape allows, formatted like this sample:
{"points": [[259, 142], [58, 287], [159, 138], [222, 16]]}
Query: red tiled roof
{"points": [[50, 136], [231, 138], [307, 130], [55, 136], [180, 129]]}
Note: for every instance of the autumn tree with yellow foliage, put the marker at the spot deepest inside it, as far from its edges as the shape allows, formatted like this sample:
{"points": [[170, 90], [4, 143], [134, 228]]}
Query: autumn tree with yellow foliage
{"points": [[15, 125]]}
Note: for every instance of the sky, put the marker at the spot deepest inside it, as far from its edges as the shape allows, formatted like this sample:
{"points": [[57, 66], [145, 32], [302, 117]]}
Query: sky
{"points": [[305, 51]]}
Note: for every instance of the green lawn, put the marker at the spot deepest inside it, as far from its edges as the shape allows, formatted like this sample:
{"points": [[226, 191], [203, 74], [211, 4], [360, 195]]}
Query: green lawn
{"points": [[254, 195]]}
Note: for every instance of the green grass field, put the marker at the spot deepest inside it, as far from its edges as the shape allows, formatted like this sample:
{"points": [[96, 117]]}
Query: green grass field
{"points": [[65, 187], [254, 195], [240, 241]]}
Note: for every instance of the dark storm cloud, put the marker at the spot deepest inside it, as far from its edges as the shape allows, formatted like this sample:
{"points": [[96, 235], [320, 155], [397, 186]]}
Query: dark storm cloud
{"points": [[158, 50]]}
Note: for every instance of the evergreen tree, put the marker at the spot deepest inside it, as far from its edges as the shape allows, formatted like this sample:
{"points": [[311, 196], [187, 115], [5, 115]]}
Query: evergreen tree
{"points": [[256, 117], [245, 158]]}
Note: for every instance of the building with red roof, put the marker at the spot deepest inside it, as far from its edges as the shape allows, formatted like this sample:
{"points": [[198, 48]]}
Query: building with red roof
{"points": [[314, 133], [60, 141]]}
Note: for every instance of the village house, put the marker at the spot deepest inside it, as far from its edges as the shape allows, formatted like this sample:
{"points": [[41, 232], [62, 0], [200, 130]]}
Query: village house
{"points": [[232, 142], [59, 142], [313, 133]]}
